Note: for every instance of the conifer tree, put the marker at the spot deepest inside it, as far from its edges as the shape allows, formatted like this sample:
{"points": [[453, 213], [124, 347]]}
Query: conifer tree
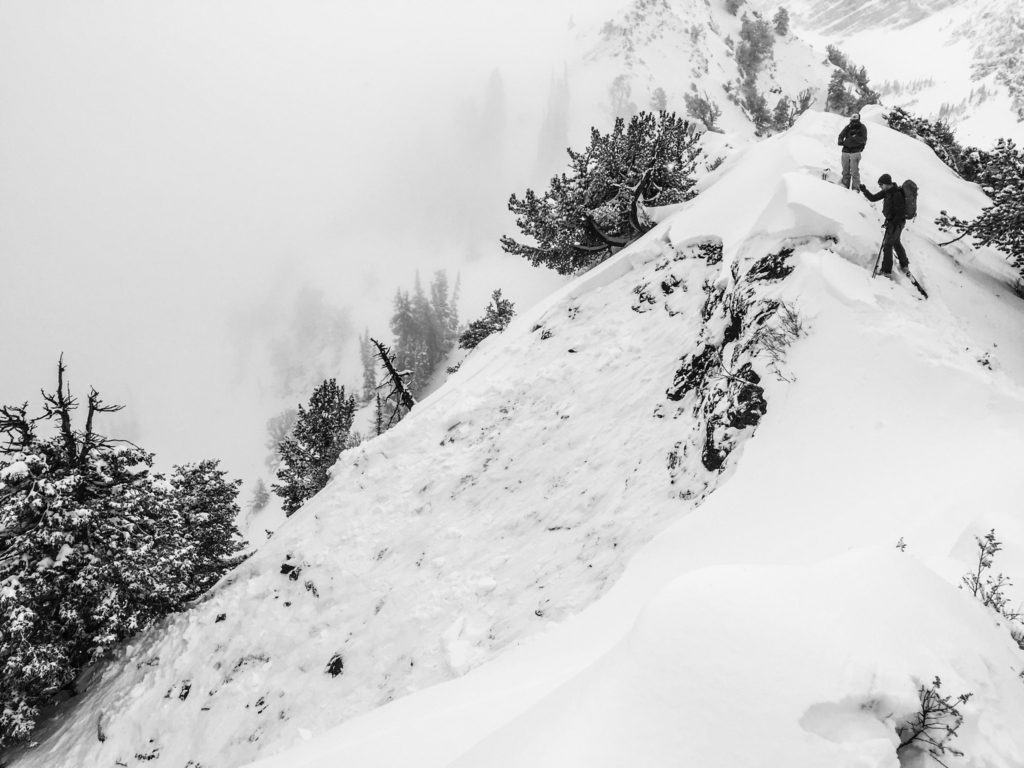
{"points": [[597, 206], [425, 328], [842, 99], [701, 107], [497, 316], [320, 434], [1001, 224], [369, 362], [781, 22], [838, 99], [659, 100], [94, 547], [620, 95], [968, 162], [260, 496]]}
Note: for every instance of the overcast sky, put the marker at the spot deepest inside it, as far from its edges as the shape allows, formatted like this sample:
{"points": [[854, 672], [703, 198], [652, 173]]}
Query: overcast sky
{"points": [[173, 175]]}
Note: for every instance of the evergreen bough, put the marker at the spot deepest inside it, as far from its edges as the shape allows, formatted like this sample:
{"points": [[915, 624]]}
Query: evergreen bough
{"points": [[848, 89], [94, 547], [320, 434], [497, 316], [1001, 224], [597, 207]]}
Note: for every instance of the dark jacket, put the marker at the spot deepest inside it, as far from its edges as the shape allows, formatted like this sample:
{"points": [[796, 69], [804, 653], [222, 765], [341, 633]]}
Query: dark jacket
{"points": [[895, 206], [854, 137]]}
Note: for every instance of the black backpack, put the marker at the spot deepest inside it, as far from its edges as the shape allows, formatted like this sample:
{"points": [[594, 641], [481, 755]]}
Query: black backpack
{"points": [[909, 198]]}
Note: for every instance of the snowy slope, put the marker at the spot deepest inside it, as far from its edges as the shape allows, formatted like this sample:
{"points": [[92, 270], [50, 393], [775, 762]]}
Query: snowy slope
{"points": [[549, 511], [840, 18], [956, 61], [680, 47], [779, 624]]}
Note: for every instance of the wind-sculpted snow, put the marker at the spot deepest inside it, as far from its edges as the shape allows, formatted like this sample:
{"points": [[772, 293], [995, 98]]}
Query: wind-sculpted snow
{"points": [[696, 658], [546, 523]]}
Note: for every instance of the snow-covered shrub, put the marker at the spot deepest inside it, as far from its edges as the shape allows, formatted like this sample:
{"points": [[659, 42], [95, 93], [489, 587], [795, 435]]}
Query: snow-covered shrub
{"points": [[935, 724], [94, 547], [773, 339], [497, 316], [991, 589], [597, 207]]}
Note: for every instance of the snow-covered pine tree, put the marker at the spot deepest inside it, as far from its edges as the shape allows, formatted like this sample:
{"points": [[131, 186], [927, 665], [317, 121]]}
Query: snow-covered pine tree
{"points": [[93, 548], [757, 44], [701, 107], [838, 98], [781, 22], [402, 327], [596, 207], [425, 329], [1001, 224], [206, 505], [620, 94], [733, 6], [320, 435], [842, 99], [497, 316], [369, 361], [445, 316], [969, 162], [278, 428], [260, 496], [659, 99]]}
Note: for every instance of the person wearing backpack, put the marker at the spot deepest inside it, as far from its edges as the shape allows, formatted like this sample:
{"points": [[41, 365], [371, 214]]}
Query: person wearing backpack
{"points": [[853, 138], [894, 209]]}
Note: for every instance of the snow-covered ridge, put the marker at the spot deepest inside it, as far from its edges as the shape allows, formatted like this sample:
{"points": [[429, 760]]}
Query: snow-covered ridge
{"points": [[794, 616], [515, 518]]}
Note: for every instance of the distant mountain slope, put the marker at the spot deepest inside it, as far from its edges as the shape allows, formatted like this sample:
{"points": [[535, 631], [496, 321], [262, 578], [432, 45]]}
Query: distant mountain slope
{"points": [[681, 47], [956, 61], [836, 18]]}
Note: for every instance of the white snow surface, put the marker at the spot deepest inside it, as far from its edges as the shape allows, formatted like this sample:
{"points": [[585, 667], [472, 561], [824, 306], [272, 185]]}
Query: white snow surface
{"points": [[933, 50], [680, 47], [518, 574]]}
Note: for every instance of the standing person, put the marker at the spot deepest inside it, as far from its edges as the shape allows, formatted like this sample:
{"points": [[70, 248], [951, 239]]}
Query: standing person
{"points": [[894, 209], [853, 138]]}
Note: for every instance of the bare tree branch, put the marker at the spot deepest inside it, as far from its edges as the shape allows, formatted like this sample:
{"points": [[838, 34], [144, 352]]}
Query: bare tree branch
{"points": [[61, 404], [399, 392]]}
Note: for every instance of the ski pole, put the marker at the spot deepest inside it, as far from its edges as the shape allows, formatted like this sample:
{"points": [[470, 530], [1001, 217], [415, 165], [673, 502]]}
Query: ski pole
{"points": [[878, 260]]}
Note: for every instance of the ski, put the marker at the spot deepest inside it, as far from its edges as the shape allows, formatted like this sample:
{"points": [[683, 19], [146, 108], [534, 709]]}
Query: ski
{"points": [[906, 271]]}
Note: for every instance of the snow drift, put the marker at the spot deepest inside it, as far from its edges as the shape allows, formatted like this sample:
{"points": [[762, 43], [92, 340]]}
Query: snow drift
{"points": [[628, 533]]}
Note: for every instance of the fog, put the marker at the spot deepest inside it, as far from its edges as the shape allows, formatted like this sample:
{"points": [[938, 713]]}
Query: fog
{"points": [[196, 197]]}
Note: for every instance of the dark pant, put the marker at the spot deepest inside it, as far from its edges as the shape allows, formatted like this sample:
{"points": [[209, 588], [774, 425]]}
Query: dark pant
{"points": [[891, 241]]}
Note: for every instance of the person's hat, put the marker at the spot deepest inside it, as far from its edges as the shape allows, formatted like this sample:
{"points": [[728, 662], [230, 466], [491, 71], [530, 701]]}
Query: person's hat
{"points": [[885, 178]]}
